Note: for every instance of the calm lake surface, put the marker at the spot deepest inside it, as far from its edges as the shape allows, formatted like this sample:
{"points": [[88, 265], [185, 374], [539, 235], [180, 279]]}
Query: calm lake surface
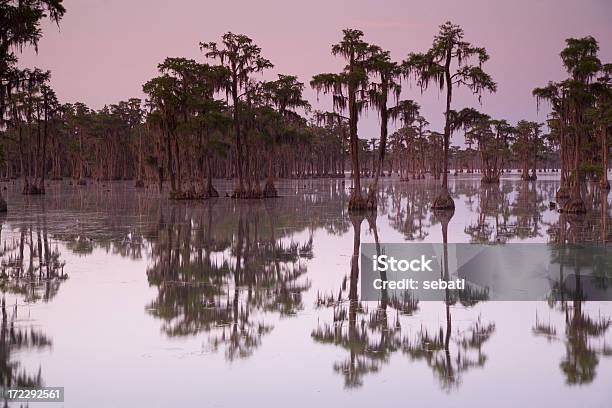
{"points": [[144, 302]]}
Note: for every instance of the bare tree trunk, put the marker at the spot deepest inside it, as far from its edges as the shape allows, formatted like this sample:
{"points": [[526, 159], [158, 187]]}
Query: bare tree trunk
{"points": [[43, 160], [239, 189], [372, 200], [210, 189], [576, 204], [269, 189], [139, 180], [534, 176], [444, 200], [604, 183], [356, 201]]}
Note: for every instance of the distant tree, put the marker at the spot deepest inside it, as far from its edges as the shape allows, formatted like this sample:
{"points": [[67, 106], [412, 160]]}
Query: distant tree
{"points": [[491, 138], [528, 142]]}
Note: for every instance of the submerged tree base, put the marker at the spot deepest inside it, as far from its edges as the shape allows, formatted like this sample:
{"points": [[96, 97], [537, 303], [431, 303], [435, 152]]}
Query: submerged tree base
{"points": [[211, 192], [82, 182], [574, 206], [563, 193], [183, 195], [33, 189], [139, 183], [372, 199], [194, 195], [254, 193], [490, 180], [444, 216], [270, 191], [604, 184], [443, 202], [357, 203], [3, 206], [529, 177]]}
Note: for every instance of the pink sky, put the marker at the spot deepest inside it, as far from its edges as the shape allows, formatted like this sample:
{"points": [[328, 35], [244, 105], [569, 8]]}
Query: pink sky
{"points": [[105, 50]]}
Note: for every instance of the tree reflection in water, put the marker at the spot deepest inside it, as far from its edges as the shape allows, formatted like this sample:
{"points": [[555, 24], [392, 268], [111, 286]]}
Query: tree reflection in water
{"points": [[493, 224], [30, 266], [436, 348], [14, 340], [225, 276], [584, 335], [368, 340], [371, 339], [227, 270], [502, 218], [31, 269], [408, 210]]}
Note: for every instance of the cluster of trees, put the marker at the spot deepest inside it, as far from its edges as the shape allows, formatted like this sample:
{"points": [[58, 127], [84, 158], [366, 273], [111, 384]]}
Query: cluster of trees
{"points": [[370, 79], [499, 147], [193, 124], [26, 101], [218, 118], [77, 141], [581, 119]]}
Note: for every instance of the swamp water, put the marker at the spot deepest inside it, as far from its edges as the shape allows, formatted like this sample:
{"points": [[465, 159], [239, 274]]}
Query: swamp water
{"points": [[144, 302]]}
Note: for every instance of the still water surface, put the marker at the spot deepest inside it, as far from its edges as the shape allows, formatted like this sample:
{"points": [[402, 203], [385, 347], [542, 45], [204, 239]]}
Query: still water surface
{"points": [[143, 302]]}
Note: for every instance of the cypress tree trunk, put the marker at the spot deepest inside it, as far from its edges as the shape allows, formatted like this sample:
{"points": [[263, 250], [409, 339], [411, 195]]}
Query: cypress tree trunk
{"points": [[372, 201], [576, 204], [210, 189], [139, 180], [356, 202], [269, 189], [604, 183], [563, 192], [444, 200]]}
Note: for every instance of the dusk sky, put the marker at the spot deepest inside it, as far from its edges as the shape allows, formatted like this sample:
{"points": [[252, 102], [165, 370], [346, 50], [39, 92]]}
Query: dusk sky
{"points": [[105, 50]]}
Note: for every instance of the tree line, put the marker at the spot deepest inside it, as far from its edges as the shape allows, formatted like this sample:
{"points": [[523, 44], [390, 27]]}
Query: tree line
{"points": [[219, 119]]}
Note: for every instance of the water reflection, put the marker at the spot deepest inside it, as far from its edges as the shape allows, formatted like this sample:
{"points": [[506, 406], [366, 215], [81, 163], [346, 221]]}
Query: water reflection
{"points": [[221, 278], [13, 341], [366, 336], [229, 273], [369, 338], [581, 330], [408, 210], [30, 266], [32, 269], [584, 335], [451, 353]]}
